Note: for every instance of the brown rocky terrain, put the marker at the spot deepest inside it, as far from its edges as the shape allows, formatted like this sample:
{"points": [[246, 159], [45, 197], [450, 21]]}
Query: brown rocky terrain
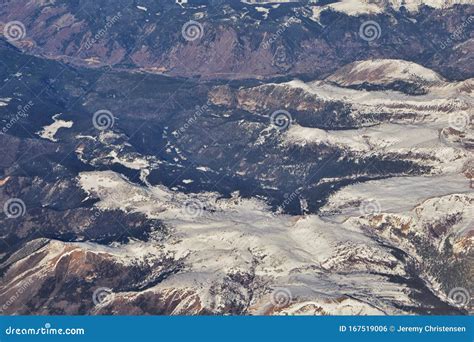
{"points": [[236, 42]]}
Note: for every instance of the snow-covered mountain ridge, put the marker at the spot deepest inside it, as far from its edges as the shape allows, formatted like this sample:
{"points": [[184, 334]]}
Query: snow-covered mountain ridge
{"points": [[386, 230]]}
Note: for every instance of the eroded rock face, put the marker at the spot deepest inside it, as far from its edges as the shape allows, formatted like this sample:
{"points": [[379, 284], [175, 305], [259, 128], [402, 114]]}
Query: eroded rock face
{"points": [[345, 194]]}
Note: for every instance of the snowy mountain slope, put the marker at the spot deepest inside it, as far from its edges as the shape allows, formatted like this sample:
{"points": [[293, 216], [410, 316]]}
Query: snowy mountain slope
{"points": [[419, 144], [246, 239], [397, 194], [364, 7], [356, 202], [439, 101], [383, 72], [220, 242], [428, 129]]}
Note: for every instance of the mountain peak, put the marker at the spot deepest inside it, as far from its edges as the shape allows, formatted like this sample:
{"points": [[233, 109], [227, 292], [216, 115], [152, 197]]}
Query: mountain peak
{"points": [[383, 72]]}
